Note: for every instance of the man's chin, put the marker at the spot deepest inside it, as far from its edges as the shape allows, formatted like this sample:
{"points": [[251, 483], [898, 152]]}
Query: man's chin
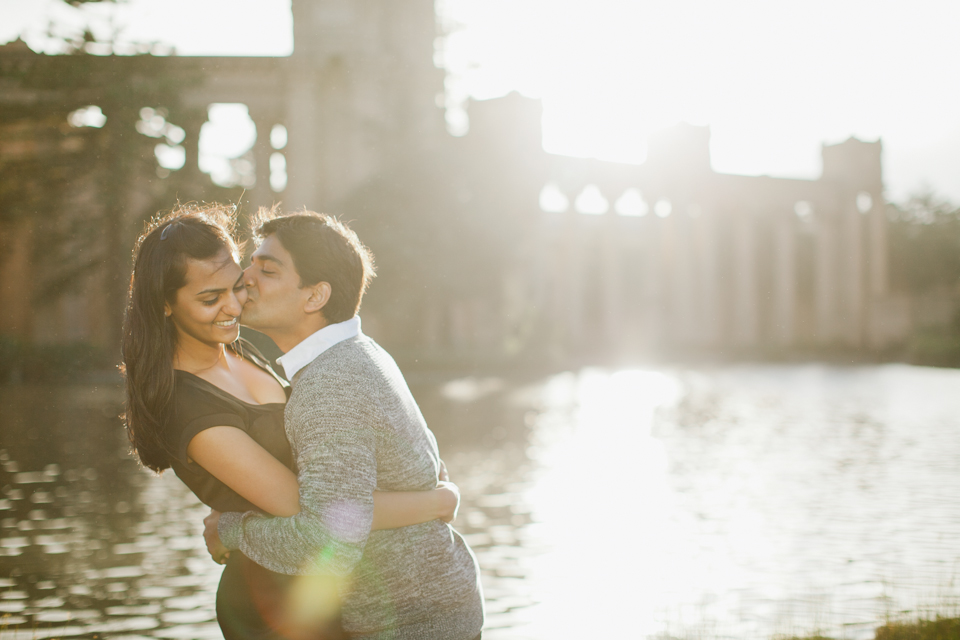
{"points": [[251, 322]]}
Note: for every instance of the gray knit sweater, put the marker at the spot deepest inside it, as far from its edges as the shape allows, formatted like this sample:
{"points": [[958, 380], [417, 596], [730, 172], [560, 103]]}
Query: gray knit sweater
{"points": [[354, 427]]}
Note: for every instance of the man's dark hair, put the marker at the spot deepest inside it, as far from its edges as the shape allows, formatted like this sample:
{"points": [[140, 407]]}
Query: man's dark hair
{"points": [[323, 250]]}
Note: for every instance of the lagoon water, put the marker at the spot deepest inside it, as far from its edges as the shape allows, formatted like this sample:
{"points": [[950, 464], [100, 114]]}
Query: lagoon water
{"points": [[734, 502]]}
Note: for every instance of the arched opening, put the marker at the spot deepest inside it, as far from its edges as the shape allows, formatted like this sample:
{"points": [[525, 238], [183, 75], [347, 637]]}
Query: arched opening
{"points": [[91, 116], [631, 204], [170, 155], [663, 208], [278, 161], [278, 172], [226, 143], [278, 136], [591, 201], [552, 200]]}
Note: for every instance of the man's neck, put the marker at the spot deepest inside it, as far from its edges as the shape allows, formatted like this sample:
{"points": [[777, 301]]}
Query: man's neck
{"points": [[292, 336]]}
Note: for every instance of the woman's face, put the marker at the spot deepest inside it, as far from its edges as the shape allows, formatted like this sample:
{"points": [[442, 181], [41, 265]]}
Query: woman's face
{"points": [[207, 308]]}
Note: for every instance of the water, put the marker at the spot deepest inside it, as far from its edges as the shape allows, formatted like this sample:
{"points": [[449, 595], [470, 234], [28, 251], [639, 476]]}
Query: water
{"points": [[738, 502]]}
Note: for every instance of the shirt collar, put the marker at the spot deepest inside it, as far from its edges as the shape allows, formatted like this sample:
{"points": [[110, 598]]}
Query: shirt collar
{"points": [[316, 343]]}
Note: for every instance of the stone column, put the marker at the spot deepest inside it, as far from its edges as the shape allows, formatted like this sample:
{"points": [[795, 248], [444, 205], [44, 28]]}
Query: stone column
{"points": [[708, 274], [652, 310], [666, 270], [785, 278], [261, 195], [192, 121], [826, 276], [548, 269], [613, 294], [877, 257], [17, 293], [746, 312], [303, 169], [632, 271], [878, 253], [683, 317], [572, 295], [852, 272]]}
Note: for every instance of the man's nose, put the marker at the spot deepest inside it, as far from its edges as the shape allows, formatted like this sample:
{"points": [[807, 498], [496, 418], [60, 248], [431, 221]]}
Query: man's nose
{"points": [[248, 280]]}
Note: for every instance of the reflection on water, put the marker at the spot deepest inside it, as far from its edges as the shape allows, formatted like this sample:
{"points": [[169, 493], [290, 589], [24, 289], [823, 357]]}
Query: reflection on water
{"points": [[739, 502], [89, 544], [754, 501]]}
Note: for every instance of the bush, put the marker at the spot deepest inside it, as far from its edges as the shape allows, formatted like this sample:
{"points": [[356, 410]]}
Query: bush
{"points": [[939, 629], [934, 349]]}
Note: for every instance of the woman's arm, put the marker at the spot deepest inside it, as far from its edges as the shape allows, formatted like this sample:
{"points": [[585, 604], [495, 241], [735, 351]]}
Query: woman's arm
{"points": [[394, 509], [229, 454], [235, 459]]}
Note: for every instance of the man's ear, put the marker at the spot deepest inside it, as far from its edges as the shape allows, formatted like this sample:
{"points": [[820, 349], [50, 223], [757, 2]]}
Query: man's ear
{"points": [[319, 297]]}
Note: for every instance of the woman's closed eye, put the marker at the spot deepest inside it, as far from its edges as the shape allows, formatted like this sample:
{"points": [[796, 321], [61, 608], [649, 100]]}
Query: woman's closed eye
{"points": [[212, 302]]}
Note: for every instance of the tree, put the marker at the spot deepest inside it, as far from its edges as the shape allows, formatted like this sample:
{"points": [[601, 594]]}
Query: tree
{"points": [[924, 244], [78, 188]]}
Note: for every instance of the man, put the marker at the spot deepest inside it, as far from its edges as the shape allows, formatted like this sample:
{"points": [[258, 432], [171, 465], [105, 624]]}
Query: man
{"points": [[354, 427]]}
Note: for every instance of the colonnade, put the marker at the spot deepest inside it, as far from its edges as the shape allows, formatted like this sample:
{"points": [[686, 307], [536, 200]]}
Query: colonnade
{"points": [[731, 273]]}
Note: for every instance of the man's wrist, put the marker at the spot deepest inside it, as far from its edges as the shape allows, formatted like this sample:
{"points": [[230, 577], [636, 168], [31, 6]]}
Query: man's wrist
{"points": [[230, 529]]}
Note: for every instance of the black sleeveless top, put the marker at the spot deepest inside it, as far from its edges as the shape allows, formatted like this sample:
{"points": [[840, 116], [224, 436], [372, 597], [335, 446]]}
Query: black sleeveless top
{"points": [[200, 405]]}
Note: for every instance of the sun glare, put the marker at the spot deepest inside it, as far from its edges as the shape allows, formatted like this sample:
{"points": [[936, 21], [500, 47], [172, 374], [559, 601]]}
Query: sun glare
{"points": [[610, 433], [773, 80]]}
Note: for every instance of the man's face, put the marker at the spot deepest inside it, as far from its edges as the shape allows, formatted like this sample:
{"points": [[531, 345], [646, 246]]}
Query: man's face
{"points": [[275, 300]]}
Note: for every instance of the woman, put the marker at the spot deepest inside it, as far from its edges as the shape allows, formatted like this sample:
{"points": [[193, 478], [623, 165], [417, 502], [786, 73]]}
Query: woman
{"points": [[206, 403]]}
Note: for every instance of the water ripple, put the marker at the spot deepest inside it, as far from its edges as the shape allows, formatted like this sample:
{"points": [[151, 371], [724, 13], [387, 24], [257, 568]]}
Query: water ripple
{"points": [[737, 502]]}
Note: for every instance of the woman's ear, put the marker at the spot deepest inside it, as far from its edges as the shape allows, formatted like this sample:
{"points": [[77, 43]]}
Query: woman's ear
{"points": [[166, 309], [319, 297]]}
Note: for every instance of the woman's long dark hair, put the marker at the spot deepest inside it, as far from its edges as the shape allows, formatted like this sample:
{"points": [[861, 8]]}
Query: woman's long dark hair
{"points": [[200, 232]]}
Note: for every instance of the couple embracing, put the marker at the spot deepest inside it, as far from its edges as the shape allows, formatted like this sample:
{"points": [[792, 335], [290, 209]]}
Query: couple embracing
{"points": [[328, 496]]}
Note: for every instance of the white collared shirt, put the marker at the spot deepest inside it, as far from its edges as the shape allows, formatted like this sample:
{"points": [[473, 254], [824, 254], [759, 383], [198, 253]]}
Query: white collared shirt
{"points": [[316, 343]]}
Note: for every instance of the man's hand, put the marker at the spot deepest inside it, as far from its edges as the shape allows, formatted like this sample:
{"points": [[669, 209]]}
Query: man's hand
{"points": [[218, 552], [443, 476]]}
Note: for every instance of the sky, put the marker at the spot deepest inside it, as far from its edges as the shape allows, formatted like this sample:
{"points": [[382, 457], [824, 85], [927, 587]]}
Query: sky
{"points": [[773, 79]]}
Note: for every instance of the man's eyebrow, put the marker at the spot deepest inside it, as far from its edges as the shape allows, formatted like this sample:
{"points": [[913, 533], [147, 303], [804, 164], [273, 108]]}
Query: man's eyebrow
{"points": [[266, 256]]}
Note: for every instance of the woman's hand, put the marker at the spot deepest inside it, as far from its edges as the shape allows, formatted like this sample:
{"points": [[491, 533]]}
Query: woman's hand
{"points": [[448, 501], [215, 548]]}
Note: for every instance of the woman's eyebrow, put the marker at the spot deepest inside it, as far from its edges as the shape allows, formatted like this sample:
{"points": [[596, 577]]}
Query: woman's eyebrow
{"points": [[207, 291]]}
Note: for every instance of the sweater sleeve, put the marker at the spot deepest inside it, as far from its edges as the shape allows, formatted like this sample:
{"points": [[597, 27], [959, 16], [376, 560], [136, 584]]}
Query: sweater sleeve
{"points": [[331, 424]]}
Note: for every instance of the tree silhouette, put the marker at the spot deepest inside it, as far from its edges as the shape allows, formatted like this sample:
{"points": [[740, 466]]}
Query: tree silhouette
{"points": [[80, 193]]}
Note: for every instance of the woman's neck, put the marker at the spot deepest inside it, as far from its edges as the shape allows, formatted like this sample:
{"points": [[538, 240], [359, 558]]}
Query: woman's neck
{"points": [[194, 356]]}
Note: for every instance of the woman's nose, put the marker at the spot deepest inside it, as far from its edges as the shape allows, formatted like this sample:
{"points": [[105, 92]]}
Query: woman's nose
{"points": [[235, 305]]}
